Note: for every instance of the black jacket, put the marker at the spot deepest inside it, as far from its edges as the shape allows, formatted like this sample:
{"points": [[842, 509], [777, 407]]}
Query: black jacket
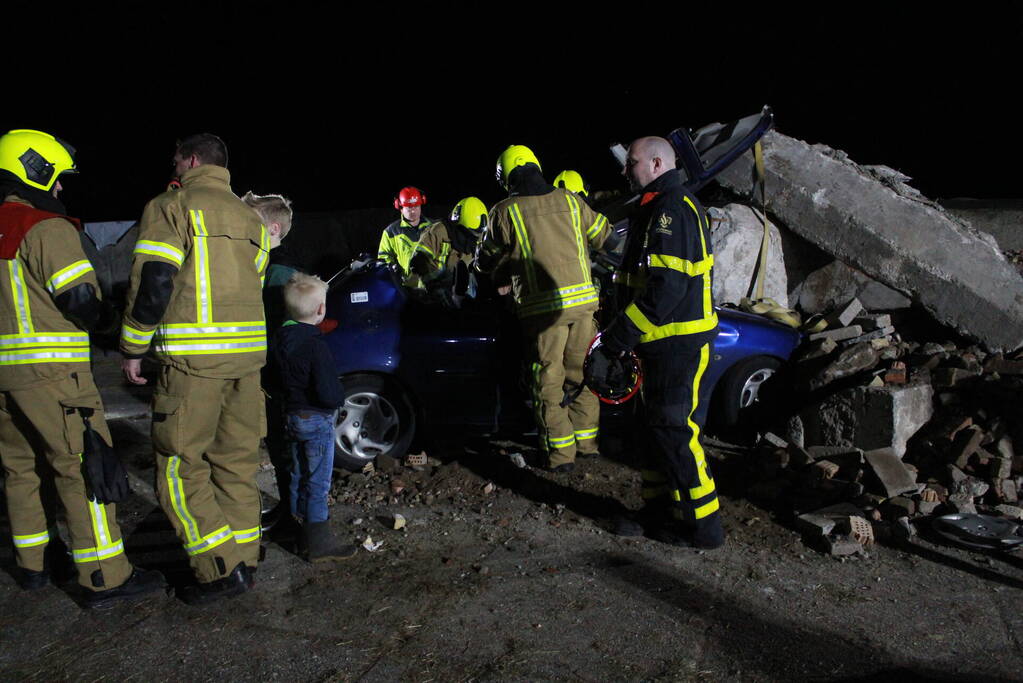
{"points": [[666, 270], [304, 369]]}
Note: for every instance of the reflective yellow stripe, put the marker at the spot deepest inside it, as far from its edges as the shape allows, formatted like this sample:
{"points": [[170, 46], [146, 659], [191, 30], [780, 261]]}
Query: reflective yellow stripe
{"points": [[522, 237], [54, 339], [176, 490], [541, 424], [707, 509], [653, 332], [524, 311], [425, 249], [98, 553], [202, 267], [584, 434], [209, 541], [69, 274], [235, 329], [31, 540], [597, 226], [580, 241], [681, 265], [264, 249], [706, 486], [246, 535], [18, 291], [44, 355], [241, 345], [161, 249], [133, 336], [560, 441]]}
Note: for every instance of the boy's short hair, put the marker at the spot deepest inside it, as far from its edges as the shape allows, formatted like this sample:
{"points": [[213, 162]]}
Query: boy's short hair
{"points": [[303, 294], [272, 208]]}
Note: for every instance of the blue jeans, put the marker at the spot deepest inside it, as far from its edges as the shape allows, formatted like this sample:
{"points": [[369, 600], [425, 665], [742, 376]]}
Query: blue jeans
{"points": [[311, 442]]}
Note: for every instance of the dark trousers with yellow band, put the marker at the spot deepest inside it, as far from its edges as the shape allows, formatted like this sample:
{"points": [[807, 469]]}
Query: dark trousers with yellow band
{"points": [[41, 438], [676, 473], [556, 346], [206, 436]]}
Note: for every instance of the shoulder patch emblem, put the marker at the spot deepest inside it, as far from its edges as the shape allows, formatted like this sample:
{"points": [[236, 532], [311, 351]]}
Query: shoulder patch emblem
{"points": [[663, 222]]}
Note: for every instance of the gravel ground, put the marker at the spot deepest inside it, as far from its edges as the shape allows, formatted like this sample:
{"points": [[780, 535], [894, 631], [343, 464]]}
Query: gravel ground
{"points": [[508, 573]]}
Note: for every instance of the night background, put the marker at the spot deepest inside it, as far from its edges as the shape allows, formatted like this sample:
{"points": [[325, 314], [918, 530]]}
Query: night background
{"points": [[339, 111]]}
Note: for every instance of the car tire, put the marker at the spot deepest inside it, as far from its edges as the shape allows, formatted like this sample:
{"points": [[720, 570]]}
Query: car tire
{"points": [[737, 391], [375, 419]]}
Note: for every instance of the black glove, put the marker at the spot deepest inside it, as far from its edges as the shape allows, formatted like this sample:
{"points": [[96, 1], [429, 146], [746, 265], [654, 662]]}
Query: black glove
{"points": [[605, 371], [105, 477]]}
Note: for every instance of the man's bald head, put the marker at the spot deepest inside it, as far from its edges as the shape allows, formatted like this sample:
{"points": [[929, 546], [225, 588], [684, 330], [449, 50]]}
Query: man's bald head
{"points": [[649, 158]]}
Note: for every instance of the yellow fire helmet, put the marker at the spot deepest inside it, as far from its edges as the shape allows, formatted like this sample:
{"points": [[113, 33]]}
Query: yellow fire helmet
{"points": [[36, 158], [571, 181], [470, 213], [512, 158]]}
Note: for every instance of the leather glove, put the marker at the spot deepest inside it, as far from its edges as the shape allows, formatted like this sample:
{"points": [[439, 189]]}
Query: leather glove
{"points": [[106, 480], [605, 371]]}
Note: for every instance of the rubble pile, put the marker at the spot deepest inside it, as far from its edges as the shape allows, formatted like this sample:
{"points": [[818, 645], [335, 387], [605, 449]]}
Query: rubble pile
{"points": [[881, 432]]}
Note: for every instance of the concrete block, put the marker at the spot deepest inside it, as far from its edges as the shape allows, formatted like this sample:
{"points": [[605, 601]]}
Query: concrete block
{"points": [[835, 452], [877, 223], [850, 361], [873, 321], [825, 469], [962, 503], [736, 232], [844, 315], [1010, 493], [842, 546], [898, 506], [1001, 468], [869, 336], [835, 283], [818, 349], [838, 334], [890, 471], [927, 507], [1003, 366], [869, 418], [965, 444], [775, 440], [1010, 511], [950, 377]]}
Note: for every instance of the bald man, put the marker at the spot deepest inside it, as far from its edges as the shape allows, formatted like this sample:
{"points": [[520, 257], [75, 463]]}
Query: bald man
{"points": [[669, 320]]}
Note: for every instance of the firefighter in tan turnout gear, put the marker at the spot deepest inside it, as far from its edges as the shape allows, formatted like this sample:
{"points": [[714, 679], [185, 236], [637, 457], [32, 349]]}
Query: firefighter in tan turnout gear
{"points": [[444, 245], [195, 299], [48, 304], [542, 236]]}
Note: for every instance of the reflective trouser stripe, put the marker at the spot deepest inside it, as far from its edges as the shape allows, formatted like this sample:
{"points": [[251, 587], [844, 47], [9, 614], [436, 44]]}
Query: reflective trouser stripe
{"points": [[100, 528], [98, 553], [585, 434], [541, 424], [161, 249], [67, 275], [176, 489], [655, 484], [707, 509], [247, 535], [210, 541], [560, 441], [31, 540], [706, 486]]}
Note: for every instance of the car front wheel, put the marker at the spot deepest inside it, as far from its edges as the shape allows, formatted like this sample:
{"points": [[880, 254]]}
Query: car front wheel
{"points": [[376, 419], [737, 392]]}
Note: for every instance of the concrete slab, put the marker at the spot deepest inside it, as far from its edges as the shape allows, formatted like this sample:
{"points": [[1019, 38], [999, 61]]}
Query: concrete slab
{"points": [[869, 218]]}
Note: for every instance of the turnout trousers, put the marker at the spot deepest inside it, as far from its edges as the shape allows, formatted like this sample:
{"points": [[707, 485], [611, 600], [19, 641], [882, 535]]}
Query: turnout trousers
{"points": [[206, 436], [556, 347], [675, 470], [41, 439]]}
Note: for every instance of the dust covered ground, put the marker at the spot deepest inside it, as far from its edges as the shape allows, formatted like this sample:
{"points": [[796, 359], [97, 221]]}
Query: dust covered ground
{"points": [[509, 573]]}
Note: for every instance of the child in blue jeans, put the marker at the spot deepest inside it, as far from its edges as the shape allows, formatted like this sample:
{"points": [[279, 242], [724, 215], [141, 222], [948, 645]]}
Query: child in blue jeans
{"points": [[312, 394]]}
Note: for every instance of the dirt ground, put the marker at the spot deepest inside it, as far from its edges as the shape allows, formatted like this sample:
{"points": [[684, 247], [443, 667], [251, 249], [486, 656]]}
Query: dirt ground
{"points": [[509, 573]]}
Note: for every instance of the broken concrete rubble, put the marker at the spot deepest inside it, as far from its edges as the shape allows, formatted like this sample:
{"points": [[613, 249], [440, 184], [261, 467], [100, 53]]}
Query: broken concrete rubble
{"points": [[870, 219], [829, 285]]}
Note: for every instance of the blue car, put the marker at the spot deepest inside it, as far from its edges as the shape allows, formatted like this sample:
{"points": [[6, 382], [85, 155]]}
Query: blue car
{"points": [[410, 365]]}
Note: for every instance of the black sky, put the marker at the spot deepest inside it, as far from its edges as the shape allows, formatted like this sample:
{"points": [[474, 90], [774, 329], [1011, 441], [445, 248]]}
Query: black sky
{"points": [[339, 110]]}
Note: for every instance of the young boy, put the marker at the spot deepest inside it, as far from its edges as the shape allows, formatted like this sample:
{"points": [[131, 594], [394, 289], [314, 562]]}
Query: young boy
{"points": [[312, 394]]}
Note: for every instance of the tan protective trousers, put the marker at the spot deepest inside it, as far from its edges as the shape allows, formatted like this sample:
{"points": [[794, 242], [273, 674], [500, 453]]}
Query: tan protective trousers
{"points": [[206, 436], [556, 347], [41, 437]]}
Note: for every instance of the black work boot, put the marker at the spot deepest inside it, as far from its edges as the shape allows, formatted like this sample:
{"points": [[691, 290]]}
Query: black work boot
{"points": [[239, 580], [30, 580], [642, 521], [57, 565], [319, 544], [703, 536], [140, 583]]}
